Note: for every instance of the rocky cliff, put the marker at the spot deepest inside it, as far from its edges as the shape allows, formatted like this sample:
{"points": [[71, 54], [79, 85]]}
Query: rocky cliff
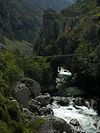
{"points": [[79, 34], [20, 19]]}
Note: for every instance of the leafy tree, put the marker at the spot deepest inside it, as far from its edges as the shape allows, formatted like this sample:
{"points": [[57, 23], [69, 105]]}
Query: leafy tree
{"points": [[10, 72]]}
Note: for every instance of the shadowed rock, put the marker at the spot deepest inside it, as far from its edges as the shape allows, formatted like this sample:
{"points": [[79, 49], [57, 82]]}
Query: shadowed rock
{"points": [[55, 125], [33, 86], [44, 99], [22, 94]]}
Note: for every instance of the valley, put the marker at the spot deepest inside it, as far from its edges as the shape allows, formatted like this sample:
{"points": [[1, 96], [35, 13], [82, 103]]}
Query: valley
{"points": [[49, 66]]}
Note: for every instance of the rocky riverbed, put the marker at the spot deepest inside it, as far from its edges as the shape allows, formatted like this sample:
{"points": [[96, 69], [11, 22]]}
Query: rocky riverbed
{"points": [[61, 114], [79, 112]]}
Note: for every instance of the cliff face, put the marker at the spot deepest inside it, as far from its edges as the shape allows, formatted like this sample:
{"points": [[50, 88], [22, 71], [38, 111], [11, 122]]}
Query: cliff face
{"points": [[15, 23], [21, 18], [80, 36], [50, 25]]}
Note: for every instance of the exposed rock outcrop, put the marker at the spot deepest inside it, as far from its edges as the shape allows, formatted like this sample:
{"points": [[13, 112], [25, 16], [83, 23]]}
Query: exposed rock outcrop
{"points": [[22, 94], [55, 125]]}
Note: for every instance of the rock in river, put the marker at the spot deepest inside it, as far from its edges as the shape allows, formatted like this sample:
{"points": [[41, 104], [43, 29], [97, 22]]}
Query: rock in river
{"points": [[74, 122], [44, 99]]}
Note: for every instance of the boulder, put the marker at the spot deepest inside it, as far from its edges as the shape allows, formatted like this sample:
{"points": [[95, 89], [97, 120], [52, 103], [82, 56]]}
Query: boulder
{"points": [[55, 125], [34, 106], [76, 125], [45, 111], [93, 103], [74, 122], [79, 101], [33, 86], [44, 99], [22, 94], [97, 123], [87, 104], [63, 101]]}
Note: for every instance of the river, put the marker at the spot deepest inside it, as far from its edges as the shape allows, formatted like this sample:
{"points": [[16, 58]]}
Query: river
{"points": [[87, 117]]}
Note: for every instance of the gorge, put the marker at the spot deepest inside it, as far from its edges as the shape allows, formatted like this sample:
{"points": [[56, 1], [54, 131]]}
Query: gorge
{"points": [[49, 66]]}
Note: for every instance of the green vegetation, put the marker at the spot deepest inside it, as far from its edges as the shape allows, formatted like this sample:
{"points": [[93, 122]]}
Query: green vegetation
{"points": [[79, 35], [76, 31], [24, 47], [21, 20], [38, 69], [12, 120], [10, 73], [14, 66]]}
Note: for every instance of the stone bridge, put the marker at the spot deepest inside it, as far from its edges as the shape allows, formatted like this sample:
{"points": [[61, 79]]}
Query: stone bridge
{"points": [[60, 60]]}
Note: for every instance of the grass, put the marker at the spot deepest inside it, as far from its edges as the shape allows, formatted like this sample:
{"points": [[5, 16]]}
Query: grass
{"points": [[23, 46]]}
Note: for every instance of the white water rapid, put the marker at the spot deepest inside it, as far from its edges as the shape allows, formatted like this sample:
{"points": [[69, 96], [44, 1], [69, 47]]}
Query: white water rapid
{"points": [[88, 118]]}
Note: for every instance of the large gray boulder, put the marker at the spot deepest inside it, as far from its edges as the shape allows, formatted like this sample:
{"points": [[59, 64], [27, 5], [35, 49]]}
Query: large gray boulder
{"points": [[55, 125], [44, 99], [22, 94], [33, 86]]}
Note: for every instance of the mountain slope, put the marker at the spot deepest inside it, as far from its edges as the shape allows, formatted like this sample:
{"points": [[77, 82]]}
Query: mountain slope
{"points": [[20, 18], [80, 37]]}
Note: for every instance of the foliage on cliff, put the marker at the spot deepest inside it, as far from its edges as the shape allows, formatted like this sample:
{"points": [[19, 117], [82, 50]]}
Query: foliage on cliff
{"points": [[13, 67], [21, 19], [78, 34], [12, 120]]}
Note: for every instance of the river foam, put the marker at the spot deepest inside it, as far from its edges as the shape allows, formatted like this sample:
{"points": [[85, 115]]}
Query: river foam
{"points": [[86, 117]]}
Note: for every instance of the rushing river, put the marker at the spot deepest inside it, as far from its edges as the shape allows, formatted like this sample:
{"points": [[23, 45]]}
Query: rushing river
{"points": [[87, 117]]}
